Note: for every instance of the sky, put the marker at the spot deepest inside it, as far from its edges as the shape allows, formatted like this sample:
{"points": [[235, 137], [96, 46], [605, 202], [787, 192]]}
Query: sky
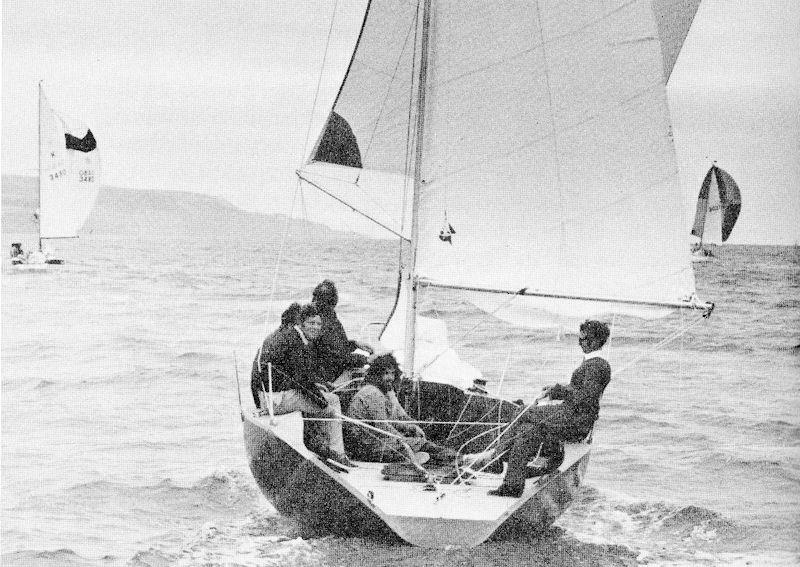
{"points": [[217, 97]]}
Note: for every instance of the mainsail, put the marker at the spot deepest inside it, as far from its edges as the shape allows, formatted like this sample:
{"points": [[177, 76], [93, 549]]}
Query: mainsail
{"points": [[547, 160], [68, 175], [718, 205]]}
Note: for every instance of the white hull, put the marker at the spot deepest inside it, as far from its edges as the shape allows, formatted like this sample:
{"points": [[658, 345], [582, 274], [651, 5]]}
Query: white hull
{"points": [[31, 267], [362, 503], [701, 257]]}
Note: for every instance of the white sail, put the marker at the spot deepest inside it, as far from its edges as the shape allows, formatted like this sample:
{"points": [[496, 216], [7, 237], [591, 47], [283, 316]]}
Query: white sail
{"points": [[548, 151], [363, 159], [68, 178], [547, 162], [380, 196]]}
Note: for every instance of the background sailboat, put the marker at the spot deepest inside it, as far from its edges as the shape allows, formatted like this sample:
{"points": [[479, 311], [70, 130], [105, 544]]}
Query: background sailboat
{"points": [[718, 205], [537, 140], [69, 182]]}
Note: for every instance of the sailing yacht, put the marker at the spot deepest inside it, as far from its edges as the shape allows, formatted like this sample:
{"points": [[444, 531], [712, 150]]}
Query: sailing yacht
{"points": [[533, 143], [68, 186], [718, 205]]}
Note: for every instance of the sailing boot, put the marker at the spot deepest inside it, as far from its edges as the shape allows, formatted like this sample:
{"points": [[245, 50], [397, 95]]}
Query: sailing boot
{"points": [[514, 482]]}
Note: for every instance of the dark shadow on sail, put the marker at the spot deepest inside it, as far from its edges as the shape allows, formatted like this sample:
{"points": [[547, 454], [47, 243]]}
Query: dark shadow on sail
{"points": [[338, 144]]}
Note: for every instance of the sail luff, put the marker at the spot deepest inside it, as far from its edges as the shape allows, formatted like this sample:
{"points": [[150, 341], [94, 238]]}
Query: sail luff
{"points": [[411, 276], [702, 206], [39, 204]]}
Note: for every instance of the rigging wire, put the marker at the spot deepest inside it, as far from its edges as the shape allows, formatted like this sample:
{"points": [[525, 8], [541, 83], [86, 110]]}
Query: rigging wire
{"points": [[468, 332], [319, 80], [666, 340], [298, 187], [278, 261]]}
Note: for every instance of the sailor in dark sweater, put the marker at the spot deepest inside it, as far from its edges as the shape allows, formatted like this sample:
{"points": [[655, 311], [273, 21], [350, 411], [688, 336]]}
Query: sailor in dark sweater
{"points": [[569, 421], [259, 379], [296, 381]]}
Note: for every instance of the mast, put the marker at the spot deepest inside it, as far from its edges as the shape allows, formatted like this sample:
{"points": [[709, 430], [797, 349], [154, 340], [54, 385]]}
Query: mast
{"points": [[410, 270], [39, 204]]}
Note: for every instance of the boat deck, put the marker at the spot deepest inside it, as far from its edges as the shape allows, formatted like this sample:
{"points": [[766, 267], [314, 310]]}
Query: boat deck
{"points": [[467, 500]]}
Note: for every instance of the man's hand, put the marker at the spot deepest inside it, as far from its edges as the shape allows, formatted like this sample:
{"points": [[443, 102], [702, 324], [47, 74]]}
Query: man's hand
{"points": [[545, 393]]}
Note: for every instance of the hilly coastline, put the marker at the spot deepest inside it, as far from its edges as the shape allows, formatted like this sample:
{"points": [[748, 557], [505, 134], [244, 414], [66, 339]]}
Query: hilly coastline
{"points": [[147, 214]]}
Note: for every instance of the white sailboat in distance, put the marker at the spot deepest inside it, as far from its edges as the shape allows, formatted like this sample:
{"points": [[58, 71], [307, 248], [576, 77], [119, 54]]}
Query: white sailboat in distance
{"points": [[69, 183], [533, 140]]}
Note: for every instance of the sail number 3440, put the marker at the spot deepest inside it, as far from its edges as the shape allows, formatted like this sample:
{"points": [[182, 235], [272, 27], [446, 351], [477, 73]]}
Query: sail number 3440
{"points": [[84, 175]]}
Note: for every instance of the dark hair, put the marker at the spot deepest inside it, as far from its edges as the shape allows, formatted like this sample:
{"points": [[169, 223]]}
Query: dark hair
{"points": [[306, 311], [381, 364], [596, 330], [290, 315], [325, 293]]}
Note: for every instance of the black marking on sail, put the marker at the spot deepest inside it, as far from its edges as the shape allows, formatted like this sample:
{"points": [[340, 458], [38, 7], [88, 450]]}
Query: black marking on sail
{"points": [[338, 144], [446, 234], [85, 144]]}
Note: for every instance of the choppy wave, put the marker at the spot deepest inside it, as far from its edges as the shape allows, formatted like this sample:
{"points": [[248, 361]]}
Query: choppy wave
{"points": [[656, 532], [56, 558], [200, 356]]}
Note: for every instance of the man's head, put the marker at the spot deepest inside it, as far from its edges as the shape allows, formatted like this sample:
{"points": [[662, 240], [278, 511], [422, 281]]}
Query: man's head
{"points": [[593, 335], [325, 294], [383, 371], [289, 317], [309, 321]]}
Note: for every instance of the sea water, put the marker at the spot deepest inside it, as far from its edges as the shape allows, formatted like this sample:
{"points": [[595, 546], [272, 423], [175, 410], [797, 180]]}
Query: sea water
{"points": [[122, 442]]}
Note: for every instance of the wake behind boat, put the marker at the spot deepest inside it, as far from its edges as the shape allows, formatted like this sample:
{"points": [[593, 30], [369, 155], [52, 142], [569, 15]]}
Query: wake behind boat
{"points": [[535, 152], [68, 187]]}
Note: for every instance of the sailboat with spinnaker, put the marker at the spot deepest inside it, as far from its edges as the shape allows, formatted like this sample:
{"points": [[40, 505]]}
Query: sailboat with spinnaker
{"points": [[532, 142], [718, 205], [68, 186]]}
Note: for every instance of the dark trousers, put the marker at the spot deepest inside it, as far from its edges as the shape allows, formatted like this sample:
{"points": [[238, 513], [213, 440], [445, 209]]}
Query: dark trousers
{"points": [[539, 428]]}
